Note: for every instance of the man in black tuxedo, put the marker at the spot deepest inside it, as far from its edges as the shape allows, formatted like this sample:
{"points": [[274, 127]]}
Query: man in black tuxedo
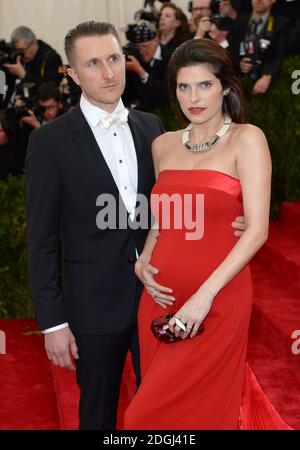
{"points": [[97, 149], [66, 173]]}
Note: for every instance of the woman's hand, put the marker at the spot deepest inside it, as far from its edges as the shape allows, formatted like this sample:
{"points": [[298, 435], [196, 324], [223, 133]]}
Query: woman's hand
{"points": [[145, 272], [192, 314]]}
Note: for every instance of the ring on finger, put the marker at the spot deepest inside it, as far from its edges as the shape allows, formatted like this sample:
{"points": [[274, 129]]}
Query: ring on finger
{"points": [[153, 293], [180, 324]]}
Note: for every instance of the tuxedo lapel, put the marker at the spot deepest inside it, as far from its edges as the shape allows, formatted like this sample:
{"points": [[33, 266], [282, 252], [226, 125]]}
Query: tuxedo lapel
{"points": [[85, 142], [141, 144]]}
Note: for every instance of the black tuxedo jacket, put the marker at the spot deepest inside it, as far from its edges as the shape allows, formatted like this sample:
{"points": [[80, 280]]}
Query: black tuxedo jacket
{"points": [[65, 173]]}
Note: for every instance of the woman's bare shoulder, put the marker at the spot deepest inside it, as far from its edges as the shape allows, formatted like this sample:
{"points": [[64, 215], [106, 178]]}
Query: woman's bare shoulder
{"points": [[247, 134], [164, 140]]}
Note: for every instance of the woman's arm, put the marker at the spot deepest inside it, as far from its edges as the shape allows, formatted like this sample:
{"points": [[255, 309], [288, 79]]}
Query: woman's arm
{"points": [[143, 269], [254, 169]]}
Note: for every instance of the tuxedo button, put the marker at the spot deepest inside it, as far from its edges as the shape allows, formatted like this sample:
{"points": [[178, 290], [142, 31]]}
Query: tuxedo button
{"points": [[132, 260]]}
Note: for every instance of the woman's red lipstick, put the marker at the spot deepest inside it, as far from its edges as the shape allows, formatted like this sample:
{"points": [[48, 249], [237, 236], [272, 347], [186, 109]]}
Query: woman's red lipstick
{"points": [[196, 110]]}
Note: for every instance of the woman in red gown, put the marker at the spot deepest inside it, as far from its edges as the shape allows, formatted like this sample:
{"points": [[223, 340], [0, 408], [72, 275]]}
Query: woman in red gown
{"points": [[201, 274]]}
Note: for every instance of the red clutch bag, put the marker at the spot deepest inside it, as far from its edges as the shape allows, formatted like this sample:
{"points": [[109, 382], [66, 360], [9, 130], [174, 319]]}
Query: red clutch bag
{"points": [[161, 331]]}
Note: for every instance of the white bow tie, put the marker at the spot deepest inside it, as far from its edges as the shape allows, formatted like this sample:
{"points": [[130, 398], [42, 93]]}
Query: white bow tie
{"points": [[119, 118]]}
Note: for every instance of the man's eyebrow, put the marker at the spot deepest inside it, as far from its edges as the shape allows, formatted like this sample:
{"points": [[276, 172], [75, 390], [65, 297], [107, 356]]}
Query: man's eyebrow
{"points": [[95, 58]]}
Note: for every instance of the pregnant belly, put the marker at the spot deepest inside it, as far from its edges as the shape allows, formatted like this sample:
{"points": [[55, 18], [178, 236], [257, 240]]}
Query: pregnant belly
{"points": [[184, 265]]}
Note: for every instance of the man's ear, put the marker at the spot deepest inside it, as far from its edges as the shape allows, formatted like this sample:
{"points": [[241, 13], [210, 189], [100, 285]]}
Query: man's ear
{"points": [[73, 74]]}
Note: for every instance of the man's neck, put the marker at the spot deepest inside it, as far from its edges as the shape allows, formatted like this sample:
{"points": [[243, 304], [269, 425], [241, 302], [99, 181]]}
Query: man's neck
{"points": [[104, 106], [260, 15]]}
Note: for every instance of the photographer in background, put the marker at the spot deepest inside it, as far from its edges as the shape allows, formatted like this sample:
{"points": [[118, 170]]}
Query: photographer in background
{"points": [[48, 100], [37, 64], [221, 31], [146, 85], [149, 12], [261, 44], [199, 23], [173, 27]]}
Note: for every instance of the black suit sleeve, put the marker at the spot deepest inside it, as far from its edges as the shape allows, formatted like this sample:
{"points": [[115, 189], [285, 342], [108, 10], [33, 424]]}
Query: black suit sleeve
{"points": [[43, 198]]}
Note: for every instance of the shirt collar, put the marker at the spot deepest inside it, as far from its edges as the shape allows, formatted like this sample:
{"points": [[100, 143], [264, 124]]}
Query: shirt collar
{"points": [[91, 112], [264, 18], [157, 54], [224, 44]]}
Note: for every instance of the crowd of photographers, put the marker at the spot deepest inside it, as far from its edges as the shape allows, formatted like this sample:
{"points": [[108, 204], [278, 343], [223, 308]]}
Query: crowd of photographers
{"points": [[258, 34]]}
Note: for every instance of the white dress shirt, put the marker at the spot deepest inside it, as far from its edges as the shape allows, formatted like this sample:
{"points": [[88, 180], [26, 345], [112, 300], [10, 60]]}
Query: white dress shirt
{"points": [[117, 147]]}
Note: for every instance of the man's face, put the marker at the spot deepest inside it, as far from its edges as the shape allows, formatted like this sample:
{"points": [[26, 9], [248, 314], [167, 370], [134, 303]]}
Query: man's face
{"points": [[30, 49], [262, 6], [98, 67], [147, 49], [200, 8], [50, 109]]}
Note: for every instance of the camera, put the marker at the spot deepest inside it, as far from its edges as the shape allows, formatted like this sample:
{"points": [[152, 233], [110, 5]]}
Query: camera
{"points": [[130, 34], [255, 50], [150, 16], [7, 53], [28, 104], [140, 32], [223, 23], [26, 95]]}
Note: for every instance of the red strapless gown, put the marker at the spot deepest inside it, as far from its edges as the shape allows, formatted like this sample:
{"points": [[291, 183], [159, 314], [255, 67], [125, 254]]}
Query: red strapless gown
{"points": [[198, 383]]}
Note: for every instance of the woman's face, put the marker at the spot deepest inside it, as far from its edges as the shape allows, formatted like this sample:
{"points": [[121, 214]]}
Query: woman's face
{"points": [[199, 93], [167, 20]]}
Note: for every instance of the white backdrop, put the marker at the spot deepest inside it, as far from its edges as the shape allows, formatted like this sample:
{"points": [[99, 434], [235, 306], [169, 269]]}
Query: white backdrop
{"points": [[51, 19]]}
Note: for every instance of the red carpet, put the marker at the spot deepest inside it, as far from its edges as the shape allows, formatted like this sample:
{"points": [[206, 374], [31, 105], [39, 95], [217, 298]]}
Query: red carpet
{"points": [[27, 395], [37, 395]]}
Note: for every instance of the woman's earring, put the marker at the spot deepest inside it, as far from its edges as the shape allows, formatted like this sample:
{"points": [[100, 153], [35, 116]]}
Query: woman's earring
{"points": [[226, 92]]}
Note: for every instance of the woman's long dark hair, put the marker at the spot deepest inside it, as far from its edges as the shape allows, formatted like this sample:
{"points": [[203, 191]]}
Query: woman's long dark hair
{"points": [[200, 51]]}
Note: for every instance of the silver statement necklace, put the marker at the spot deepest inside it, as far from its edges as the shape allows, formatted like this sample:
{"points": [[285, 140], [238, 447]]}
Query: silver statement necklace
{"points": [[206, 146]]}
